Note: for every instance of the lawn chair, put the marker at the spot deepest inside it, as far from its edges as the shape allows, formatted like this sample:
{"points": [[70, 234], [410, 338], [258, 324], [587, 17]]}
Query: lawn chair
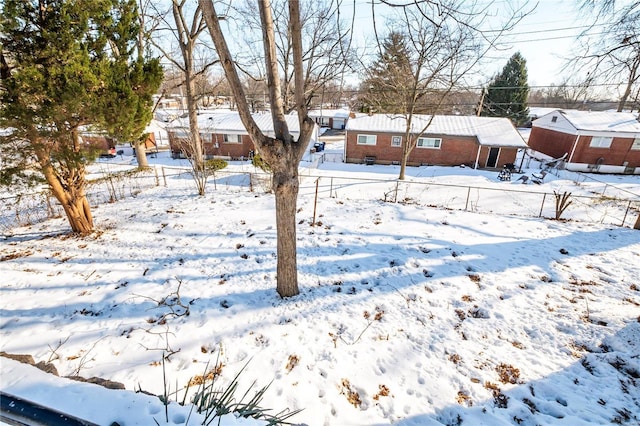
{"points": [[538, 179], [524, 179], [505, 174]]}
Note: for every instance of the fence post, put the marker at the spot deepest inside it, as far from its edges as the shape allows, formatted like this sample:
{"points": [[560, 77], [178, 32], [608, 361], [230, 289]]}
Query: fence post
{"points": [[542, 206], [466, 204], [331, 188], [155, 170], [315, 203], [395, 197], [625, 213], [164, 177]]}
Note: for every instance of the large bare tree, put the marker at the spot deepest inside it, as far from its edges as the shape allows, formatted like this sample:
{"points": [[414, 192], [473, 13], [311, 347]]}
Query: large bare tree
{"points": [[440, 43], [282, 152], [326, 46], [612, 54], [186, 27]]}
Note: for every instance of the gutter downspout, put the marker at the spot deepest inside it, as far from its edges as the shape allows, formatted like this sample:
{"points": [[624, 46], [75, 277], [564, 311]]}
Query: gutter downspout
{"points": [[477, 156], [344, 148], [573, 150]]}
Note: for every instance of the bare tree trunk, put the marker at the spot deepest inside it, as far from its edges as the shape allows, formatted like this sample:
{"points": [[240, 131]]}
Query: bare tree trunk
{"points": [[632, 79], [141, 154], [286, 187], [192, 110], [282, 153], [69, 189], [406, 151], [637, 225]]}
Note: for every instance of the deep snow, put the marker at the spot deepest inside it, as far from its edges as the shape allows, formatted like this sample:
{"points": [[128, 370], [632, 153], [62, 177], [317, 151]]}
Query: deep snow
{"points": [[407, 314]]}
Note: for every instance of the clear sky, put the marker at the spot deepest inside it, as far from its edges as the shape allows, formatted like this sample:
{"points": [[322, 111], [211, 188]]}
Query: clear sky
{"points": [[544, 37]]}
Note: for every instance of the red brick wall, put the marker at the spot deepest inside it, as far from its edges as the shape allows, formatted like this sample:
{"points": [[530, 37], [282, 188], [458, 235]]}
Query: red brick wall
{"points": [[616, 155], [556, 144], [225, 149], [454, 151], [550, 142]]}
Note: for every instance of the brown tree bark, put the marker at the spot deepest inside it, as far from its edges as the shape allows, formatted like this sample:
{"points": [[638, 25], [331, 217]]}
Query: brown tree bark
{"points": [[68, 186], [637, 225], [141, 154], [282, 152]]}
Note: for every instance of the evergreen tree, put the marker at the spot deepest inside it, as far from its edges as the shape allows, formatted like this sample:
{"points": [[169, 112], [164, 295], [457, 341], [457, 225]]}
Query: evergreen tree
{"points": [[389, 82], [507, 94], [67, 66]]}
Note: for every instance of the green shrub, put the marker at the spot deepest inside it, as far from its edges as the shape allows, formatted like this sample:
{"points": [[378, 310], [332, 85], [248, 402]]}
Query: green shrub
{"points": [[215, 164], [260, 163]]}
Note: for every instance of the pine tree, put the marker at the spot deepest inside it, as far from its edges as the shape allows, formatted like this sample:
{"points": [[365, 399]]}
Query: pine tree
{"points": [[507, 94], [389, 82], [69, 67]]}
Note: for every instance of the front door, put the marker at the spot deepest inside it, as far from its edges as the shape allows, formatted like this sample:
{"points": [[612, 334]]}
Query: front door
{"points": [[492, 160]]}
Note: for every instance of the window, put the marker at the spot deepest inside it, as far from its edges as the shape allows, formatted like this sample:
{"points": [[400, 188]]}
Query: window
{"points": [[324, 121], [396, 140], [636, 144], [600, 142], [433, 143], [367, 139], [232, 139], [554, 118]]}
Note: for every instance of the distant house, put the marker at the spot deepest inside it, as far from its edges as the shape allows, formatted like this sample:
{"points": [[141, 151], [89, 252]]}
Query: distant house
{"points": [[450, 140], [331, 118], [104, 145], [605, 142], [223, 134]]}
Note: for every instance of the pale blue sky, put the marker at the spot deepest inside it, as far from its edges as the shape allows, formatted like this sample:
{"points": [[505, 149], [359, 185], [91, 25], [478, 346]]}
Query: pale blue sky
{"points": [[543, 37]]}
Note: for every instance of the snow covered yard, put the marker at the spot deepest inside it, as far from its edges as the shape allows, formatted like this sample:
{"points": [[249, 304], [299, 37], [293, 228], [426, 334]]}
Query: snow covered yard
{"points": [[407, 314]]}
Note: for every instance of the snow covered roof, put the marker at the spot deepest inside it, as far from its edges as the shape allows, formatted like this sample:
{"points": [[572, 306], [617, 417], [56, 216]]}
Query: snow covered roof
{"points": [[536, 112], [602, 121], [330, 113], [229, 122], [493, 131]]}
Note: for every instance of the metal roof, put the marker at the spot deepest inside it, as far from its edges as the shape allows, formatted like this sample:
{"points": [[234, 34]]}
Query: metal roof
{"points": [[229, 122], [491, 131], [602, 121]]}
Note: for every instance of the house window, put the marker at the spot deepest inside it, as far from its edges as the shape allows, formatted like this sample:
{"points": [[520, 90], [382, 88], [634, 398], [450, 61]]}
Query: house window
{"points": [[636, 144], [600, 142], [232, 138], [433, 143], [554, 118], [396, 140], [367, 139], [324, 121]]}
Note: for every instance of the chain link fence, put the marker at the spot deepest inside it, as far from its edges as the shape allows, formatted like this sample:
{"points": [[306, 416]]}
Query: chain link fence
{"points": [[612, 205]]}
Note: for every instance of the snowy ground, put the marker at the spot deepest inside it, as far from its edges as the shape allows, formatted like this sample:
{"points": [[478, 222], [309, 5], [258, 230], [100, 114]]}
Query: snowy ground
{"points": [[407, 315]]}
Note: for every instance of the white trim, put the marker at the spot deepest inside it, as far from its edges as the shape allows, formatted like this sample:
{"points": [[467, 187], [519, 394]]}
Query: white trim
{"points": [[601, 142], [435, 141], [393, 137], [226, 138], [573, 150], [367, 138], [635, 145]]}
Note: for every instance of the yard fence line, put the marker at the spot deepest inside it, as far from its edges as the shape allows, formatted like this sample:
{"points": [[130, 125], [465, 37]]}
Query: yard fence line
{"points": [[31, 208]]}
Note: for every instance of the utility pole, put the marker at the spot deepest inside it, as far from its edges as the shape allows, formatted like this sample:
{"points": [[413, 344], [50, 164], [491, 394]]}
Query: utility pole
{"points": [[481, 102]]}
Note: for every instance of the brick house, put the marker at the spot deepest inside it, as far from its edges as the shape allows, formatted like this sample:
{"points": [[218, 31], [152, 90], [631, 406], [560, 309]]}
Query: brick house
{"points": [[223, 134], [450, 140], [331, 118], [591, 141]]}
